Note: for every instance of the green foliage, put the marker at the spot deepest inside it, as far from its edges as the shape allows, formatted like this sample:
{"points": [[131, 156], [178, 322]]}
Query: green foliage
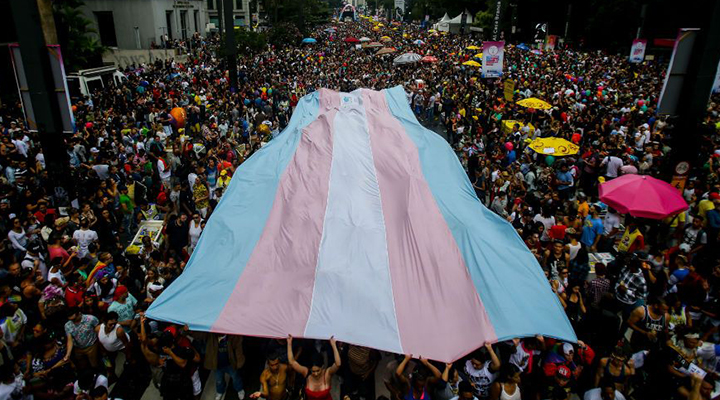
{"points": [[283, 33], [301, 13], [249, 42], [80, 50]]}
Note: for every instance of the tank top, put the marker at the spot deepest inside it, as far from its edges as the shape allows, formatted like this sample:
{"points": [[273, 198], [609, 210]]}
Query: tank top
{"points": [[110, 341], [574, 250], [411, 396], [615, 378], [194, 232], [651, 324], [319, 395], [505, 396]]}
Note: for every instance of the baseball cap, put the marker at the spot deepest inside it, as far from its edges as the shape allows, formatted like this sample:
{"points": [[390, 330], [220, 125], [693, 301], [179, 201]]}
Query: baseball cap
{"points": [[714, 196], [568, 348], [563, 372]]}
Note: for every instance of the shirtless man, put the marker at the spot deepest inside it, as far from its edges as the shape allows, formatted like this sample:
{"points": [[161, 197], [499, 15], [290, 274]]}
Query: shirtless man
{"points": [[273, 380]]}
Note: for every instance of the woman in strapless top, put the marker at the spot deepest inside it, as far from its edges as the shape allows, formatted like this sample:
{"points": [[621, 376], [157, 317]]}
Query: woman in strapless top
{"points": [[318, 378]]}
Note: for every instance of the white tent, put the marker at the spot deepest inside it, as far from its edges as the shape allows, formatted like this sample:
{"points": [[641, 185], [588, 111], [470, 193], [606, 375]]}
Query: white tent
{"points": [[453, 25]]}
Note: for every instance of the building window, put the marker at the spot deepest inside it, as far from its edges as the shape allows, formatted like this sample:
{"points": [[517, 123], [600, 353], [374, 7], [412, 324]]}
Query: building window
{"points": [[183, 24], [168, 22], [106, 28], [196, 20], [210, 4], [238, 4]]}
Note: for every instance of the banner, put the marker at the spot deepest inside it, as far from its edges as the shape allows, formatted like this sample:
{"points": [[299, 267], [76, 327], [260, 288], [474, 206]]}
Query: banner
{"points": [[509, 89], [550, 42], [492, 60], [637, 51]]}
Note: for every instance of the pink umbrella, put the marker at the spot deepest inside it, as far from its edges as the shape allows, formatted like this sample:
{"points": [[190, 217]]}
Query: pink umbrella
{"points": [[642, 196]]}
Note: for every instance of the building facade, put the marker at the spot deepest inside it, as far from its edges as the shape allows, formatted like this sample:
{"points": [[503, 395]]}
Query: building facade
{"points": [[138, 24], [243, 12]]}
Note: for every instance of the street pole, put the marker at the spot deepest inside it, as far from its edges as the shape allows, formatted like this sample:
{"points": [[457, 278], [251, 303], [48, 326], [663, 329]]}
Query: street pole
{"points": [[567, 23], [230, 45], [641, 27], [45, 103]]}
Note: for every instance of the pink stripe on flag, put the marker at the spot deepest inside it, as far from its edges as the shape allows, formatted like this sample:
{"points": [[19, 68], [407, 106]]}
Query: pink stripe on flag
{"points": [[272, 297], [438, 309]]}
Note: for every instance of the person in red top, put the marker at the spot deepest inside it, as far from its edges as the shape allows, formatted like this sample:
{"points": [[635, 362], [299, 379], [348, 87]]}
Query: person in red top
{"points": [[75, 292], [318, 379]]}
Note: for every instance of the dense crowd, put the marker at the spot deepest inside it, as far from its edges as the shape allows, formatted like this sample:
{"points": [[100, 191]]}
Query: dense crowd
{"points": [[73, 289]]}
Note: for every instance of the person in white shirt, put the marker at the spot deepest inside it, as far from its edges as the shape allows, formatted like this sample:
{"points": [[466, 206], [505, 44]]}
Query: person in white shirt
{"points": [[614, 164], [606, 391], [83, 237]]}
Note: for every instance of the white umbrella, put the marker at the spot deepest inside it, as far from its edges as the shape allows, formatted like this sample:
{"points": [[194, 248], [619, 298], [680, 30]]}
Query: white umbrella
{"points": [[407, 58], [365, 39]]}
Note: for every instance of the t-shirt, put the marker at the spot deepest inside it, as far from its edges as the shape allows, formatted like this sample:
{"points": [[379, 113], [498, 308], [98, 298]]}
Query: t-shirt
{"points": [[480, 378], [591, 229], [547, 223], [101, 380], [125, 199], [613, 166], [83, 239], [102, 171], [596, 394], [125, 311], [56, 252], [612, 221], [83, 334], [691, 235], [14, 389]]}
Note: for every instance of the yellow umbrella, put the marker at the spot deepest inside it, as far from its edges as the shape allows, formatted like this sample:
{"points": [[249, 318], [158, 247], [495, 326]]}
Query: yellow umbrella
{"points": [[380, 25], [385, 39], [376, 29], [472, 63], [552, 146], [432, 31], [405, 36], [473, 47], [478, 55], [534, 103]]}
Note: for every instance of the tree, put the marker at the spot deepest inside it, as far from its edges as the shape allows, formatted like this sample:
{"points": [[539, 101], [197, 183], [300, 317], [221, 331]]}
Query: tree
{"points": [[80, 50]]}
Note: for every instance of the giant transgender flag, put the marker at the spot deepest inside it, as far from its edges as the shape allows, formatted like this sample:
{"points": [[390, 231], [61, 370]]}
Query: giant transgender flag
{"points": [[357, 222]]}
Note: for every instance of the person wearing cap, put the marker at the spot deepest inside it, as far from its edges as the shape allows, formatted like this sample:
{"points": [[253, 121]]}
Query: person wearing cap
{"points": [[224, 180], [559, 387], [124, 305]]}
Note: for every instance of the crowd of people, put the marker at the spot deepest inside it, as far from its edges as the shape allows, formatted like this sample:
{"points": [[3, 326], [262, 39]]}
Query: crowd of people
{"points": [[73, 291]]}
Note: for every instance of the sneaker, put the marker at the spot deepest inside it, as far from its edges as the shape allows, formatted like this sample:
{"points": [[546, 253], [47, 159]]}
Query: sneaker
{"points": [[219, 396], [241, 394]]}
